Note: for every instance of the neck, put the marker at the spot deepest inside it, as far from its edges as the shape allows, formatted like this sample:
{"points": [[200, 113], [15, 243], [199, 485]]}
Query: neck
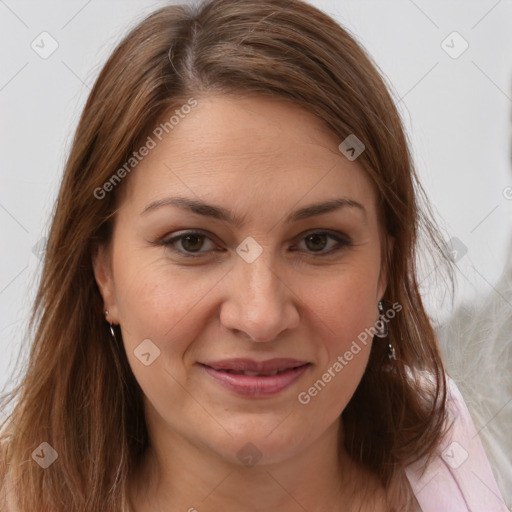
{"points": [[177, 475]]}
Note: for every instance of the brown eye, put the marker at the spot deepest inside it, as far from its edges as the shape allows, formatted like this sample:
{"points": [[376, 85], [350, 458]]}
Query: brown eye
{"points": [[192, 243], [325, 243], [316, 242], [189, 244]]}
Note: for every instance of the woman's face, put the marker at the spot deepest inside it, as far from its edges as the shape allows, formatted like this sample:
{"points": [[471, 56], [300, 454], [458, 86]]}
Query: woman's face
{"points": [[211, 307]]}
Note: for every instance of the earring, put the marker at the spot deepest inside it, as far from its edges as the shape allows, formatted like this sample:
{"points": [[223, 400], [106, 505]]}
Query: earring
{"points": [[382, 331], [381, 324], [112, 333]]}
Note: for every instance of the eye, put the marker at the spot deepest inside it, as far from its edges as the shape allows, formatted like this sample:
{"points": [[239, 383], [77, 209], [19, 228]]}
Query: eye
{"points": [[191, 242], [317, 241]]}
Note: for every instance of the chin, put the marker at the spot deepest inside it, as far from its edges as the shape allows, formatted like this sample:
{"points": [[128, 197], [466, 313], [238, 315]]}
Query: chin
{"points": [[254, 443]]}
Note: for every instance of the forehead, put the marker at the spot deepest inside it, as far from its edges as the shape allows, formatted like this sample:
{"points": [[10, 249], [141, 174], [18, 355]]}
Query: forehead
{"points": [[238, 148]]}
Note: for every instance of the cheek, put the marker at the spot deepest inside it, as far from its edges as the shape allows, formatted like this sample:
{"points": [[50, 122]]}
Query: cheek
{"points": [[160, 303], [158, 300], [345, 304], [345, 308]]}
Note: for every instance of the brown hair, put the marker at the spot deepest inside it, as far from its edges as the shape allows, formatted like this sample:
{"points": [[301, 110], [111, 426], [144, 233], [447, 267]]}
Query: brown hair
{"points": [[79, 393]]}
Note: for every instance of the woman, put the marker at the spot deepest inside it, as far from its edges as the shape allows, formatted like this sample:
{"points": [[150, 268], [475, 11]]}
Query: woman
{"points": [[237, 221]]}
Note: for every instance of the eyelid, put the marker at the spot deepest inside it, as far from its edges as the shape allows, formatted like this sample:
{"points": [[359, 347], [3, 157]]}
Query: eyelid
{"points": [[168, 242], [341, 239]]}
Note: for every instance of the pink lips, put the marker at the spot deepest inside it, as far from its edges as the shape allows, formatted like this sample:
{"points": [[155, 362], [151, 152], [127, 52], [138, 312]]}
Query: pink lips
{"points": [[250, 378]]}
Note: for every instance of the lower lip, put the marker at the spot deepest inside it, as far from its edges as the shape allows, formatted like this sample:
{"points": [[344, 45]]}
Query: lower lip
{"points": [[257, 386]]}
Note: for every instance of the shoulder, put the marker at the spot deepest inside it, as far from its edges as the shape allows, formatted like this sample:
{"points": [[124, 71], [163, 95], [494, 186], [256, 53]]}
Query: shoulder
{"points": [[458, 475]]}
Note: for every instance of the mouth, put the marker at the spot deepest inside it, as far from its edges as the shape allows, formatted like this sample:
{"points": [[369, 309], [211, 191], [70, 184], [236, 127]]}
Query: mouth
{"points": [[250, 378]]}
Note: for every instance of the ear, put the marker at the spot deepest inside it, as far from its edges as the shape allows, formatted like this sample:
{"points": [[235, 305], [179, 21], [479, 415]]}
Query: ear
{"points": [[387, 254], [102, 266]]}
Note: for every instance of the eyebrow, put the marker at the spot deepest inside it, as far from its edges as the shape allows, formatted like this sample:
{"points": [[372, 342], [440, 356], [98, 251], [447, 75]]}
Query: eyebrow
{"points": [[217, 212]]}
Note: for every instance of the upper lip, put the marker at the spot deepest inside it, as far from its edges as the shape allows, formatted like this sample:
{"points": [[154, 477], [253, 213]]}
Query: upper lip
{"points": [[250, 365]]}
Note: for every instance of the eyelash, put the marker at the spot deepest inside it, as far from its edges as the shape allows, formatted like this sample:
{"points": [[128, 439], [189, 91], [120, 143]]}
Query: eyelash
{"points": [[169, 243]]}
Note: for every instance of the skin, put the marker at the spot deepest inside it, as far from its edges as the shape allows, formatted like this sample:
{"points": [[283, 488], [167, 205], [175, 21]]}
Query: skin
{"points": [[261, 159]]}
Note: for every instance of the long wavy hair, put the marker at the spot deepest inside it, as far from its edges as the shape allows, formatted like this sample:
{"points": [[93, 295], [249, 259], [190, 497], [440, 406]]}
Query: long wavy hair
{"points": [[78, 393]]}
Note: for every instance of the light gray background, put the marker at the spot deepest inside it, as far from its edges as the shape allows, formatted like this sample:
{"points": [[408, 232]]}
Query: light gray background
{"points": [[456, 111]]}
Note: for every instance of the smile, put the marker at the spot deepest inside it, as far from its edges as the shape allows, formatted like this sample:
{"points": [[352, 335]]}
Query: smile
{"points": [[253, 379]]}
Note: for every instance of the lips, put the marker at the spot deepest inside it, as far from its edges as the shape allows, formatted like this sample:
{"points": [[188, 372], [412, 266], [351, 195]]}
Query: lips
{"points": [[250, 378]]}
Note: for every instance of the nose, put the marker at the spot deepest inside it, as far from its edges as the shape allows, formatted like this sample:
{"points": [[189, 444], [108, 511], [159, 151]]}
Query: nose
{"points": [[259, 303]]}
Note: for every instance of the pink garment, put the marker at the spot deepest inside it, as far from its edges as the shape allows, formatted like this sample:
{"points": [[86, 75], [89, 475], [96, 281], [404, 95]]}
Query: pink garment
{"points": [[459, 478]]}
